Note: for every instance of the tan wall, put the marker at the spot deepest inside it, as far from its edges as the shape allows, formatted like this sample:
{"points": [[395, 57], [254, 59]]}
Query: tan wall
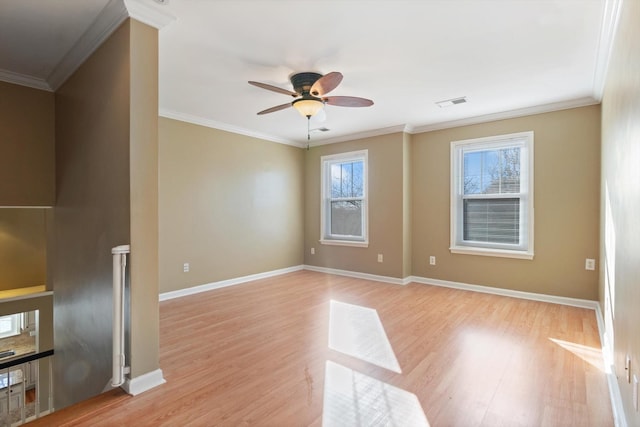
{"points": [[620, 225], [91, 215], [145, 321], [27, 156], [567, 147], [230, 205], [407, 206], [386, 183], [23, 247]]}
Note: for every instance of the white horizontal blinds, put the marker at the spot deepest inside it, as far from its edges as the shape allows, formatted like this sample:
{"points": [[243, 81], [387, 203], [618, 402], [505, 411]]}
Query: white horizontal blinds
{"points": [[492, 220], [346, 218], [346, 198], [493, 194]]}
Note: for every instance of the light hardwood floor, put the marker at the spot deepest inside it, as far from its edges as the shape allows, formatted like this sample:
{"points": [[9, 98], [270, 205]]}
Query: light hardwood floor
{"points": [[258, 354]]}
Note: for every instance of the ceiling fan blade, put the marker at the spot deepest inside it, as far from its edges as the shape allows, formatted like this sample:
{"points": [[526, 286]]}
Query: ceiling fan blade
{"points": [[274, 109], [326, 84], [273, 88], [348, 101]]}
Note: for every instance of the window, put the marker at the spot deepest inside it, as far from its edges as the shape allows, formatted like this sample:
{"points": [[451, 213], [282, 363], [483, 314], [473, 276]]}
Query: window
{"points": [[9, 325], [492, 196], [344, 199]]}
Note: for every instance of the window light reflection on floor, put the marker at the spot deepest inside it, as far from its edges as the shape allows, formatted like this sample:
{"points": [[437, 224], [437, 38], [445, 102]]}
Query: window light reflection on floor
{"points": [[355, 399], [591, 355], [358, 332]]}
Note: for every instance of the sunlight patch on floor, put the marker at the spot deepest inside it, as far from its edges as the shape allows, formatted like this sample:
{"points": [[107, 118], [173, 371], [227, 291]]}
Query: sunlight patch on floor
{"points": [[591, 355], [358, 332], [355, 399]]}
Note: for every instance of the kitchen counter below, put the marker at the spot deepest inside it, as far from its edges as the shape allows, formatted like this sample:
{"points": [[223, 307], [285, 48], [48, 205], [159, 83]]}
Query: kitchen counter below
{"points": [[22, 345]]}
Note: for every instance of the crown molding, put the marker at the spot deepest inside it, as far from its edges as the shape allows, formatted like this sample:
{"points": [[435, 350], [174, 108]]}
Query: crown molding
{"points": [[511, 114], [196, 120], [411, 129], [111, 17], [144, 12], [406, 128], [608, 30], [24, 80], [113, 14], [361, 135]]}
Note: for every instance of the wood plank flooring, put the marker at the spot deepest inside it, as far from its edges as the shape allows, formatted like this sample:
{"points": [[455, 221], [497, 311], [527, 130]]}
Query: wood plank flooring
{"points": [[258, 354]]}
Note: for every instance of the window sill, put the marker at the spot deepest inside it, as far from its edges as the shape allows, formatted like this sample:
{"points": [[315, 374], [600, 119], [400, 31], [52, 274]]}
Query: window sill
{"points": [[344, 243], [504, 253]]}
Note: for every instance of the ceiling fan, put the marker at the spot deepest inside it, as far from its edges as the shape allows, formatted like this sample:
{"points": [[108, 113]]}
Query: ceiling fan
{"points": [[310, 89]]}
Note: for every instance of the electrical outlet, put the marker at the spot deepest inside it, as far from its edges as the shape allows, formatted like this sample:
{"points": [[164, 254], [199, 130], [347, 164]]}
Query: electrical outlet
{"points": [[432, 260], [379, 257], [590, 264], [185, 267], [313, 251]]}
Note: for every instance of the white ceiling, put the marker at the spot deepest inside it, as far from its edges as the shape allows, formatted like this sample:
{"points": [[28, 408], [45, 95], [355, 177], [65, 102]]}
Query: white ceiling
{"points": [[508, 57]]}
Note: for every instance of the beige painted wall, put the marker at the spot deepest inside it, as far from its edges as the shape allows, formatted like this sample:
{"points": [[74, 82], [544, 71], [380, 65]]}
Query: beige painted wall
{"points": [[143, 171], [27, 156], [23, 244], [386, 216], [567, 147], [230, 205], [92, 215], [407, 206], [620, 225], [107, 170]]}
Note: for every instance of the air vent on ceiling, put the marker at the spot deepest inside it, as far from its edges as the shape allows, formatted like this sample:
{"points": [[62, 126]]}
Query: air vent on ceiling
{"points": [[451, 102]]}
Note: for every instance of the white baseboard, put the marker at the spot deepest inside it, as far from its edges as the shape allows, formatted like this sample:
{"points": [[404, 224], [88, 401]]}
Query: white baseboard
{"points": [[239, 280], [358, 275], [142, 383], [224, 283], [574, 302], [617, 408]]}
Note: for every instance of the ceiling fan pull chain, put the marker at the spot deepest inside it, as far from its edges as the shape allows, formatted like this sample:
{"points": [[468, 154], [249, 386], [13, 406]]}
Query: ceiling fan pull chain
{"points": [[308, 131]]}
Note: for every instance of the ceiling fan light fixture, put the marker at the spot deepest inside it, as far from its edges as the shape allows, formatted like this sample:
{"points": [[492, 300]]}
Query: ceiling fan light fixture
{"points": [[308, 107]]}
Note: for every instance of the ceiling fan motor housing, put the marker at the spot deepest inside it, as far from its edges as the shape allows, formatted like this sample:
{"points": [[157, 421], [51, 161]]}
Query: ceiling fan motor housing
{"points": [[302, 82]]}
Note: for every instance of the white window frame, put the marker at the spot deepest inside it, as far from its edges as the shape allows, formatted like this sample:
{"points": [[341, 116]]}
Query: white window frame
{"points": [[524, 250], [15, 323], [326, 238]]}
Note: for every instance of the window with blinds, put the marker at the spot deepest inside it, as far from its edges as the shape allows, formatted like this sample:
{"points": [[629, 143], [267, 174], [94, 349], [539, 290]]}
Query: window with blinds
{"points": [[492, 196], [344, 199]]}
